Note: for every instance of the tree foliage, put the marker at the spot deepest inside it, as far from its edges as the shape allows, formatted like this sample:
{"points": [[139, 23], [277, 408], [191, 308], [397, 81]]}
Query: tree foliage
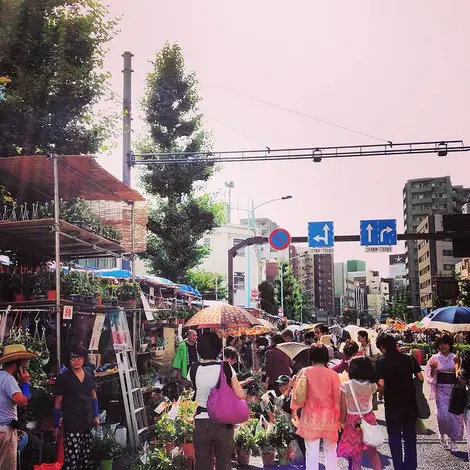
{"points": [[171, 110], [398, 307], [181, 217], [51, 57], [292, 293], [212, 286], [268, 300], [174, 231]]}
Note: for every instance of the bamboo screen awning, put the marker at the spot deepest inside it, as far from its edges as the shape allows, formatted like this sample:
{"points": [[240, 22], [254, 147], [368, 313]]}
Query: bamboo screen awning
{"points": [[32, 178], [36, 238]]}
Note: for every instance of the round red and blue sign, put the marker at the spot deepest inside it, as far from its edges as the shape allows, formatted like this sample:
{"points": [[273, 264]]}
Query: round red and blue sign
{"points": [[279, 239]]}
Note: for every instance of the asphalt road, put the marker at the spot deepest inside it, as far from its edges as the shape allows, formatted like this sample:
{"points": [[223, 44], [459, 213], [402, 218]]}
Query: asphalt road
{"points": [[431, 453]]}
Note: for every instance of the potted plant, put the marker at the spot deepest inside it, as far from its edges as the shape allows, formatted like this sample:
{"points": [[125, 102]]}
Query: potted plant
{"points": [[144, 342], [128, 292], [265, 440], [283, 435], [244, 443], [16, 284], [40, 287], [165, 432], [104, 450], [76, 286]]}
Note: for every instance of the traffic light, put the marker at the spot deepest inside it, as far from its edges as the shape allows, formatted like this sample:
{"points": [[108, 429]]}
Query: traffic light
{"points": [[459, 223]]}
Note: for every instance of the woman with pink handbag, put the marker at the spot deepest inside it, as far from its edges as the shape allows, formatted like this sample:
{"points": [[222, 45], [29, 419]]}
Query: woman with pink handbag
{"points": [[220, 405]]}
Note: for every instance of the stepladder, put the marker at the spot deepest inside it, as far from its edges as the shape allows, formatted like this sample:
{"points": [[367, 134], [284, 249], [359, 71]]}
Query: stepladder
{"points": [[134, 407]]}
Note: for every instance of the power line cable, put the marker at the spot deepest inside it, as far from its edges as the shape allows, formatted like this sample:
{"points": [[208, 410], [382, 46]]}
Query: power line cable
{"points": [[298, 113], [236, 130]]}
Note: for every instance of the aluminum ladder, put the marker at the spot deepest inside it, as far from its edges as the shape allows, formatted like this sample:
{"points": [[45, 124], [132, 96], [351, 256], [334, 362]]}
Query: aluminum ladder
{"points": [[133, 398]]}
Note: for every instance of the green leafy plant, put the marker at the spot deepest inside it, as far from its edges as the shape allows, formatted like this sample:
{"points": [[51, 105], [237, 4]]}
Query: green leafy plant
{"points": [[77, 283], [245, 436], [283, 434], [104, 448], [128, 291], [265, 440]]}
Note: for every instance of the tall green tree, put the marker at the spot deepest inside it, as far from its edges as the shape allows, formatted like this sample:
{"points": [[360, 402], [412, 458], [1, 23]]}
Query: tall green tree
{"points": [[268, 301], [181, 215], [291, 289], [51, 59], [212, 286]]}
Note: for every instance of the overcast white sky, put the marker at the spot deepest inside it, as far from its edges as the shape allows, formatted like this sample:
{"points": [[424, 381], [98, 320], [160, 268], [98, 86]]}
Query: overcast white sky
{"points": [[397, 70]]}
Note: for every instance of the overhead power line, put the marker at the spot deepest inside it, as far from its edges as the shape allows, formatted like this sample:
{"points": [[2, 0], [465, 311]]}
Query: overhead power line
{"points": [[299, 113], [316, 154]]}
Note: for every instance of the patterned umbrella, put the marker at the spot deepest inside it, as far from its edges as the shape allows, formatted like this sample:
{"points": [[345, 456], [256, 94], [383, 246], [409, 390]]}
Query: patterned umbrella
{"points": [[222, 316], [451, 319]]}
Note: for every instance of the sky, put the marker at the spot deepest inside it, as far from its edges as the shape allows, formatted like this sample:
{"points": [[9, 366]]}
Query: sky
{"points": [[397, 70]]}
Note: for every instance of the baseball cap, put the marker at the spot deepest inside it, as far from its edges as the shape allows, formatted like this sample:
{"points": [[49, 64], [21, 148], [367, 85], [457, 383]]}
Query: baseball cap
{"points": [[283, 380]]}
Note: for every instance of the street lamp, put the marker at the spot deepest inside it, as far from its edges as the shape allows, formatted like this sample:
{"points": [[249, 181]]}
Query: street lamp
{"points": [[251, 218]]}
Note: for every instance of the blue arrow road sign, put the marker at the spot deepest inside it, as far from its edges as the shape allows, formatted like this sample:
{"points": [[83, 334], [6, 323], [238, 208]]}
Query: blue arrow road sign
{"points": [[379, 232], [321, 234]]}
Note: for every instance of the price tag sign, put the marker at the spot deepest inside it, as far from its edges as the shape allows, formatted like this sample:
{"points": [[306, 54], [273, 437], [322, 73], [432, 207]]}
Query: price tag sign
{"points": [[67, 313], [97, 329]]}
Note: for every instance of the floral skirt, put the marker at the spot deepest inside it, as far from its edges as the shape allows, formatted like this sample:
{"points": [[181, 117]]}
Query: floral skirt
{"points": [[77, 447], [351, 444]]}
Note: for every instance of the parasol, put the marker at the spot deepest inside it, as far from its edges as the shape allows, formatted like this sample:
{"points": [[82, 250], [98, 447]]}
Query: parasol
{"points": [[451, 319], [261, 329], [292, 349], [222, 316]]}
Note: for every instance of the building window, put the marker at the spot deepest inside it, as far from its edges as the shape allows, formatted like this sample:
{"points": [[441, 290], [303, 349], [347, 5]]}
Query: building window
{"points": [[447, 253], [239, 281], [240, 252], [448, 267], [207, 242]]}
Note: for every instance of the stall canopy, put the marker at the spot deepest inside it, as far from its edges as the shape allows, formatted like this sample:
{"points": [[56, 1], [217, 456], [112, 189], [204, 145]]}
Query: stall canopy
{"points": [[32, 178], [188, 290]]}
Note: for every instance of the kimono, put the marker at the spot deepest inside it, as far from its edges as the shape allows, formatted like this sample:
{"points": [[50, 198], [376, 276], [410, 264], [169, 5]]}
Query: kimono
{"points": [[449, 424]]}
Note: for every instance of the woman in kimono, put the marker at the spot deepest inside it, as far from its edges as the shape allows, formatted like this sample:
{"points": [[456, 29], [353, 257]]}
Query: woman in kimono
{"points": [[441, 375]]}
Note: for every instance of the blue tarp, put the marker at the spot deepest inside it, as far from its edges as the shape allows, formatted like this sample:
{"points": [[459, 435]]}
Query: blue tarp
{"points": [[115, 273], [189, 290], [161, 281]]}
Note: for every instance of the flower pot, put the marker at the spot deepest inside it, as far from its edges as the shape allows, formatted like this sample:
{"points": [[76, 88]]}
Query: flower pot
{"points": [[106, 464], [285, 456], [45, 361], [188, 450], [51, 294], [143, 346], [19, 298], [243, 457], [268, 457], [169, 446], [100, 300]]}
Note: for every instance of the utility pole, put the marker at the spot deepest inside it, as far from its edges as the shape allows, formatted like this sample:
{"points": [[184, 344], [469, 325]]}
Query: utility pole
{"points": [[127, 130], [127, 117]]}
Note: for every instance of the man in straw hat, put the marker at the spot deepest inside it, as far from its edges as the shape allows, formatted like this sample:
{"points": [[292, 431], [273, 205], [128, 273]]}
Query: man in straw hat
{"points": [[14, 360]]}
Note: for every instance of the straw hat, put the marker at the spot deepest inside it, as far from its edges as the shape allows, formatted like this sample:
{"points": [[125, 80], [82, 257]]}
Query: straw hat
{"points": [[16, 352]]}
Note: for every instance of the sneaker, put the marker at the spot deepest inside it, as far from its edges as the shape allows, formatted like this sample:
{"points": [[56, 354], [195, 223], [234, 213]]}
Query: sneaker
{"points": [[452, 446]]}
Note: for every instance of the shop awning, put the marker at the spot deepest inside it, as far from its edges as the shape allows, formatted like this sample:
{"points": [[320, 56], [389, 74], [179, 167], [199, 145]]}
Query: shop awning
{"points": [[36, 238], [31, 178]]}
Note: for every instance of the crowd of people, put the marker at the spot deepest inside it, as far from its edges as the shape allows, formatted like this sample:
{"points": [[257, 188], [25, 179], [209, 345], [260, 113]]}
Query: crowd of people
{"points": [[330, 390], [327, 391]]}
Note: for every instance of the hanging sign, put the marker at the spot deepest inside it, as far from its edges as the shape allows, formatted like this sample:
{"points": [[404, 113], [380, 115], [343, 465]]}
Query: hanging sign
{"points": [[68, 312], [97, 329]]}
